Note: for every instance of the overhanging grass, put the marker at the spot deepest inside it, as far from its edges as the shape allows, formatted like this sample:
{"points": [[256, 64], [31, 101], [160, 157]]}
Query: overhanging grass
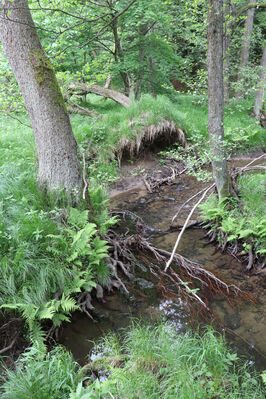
{"points": [[152, 362]]}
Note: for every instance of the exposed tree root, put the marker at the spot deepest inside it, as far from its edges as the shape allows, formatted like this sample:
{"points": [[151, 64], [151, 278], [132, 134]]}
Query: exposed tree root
{"points": [[182, 277], [10, 337]]}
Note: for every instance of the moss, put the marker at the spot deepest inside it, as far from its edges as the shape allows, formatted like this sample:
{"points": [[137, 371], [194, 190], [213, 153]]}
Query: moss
{"points": [[44, 72]]}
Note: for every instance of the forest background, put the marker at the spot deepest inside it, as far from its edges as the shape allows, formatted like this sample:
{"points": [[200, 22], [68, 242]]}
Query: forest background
{"points": [[152, 53]]}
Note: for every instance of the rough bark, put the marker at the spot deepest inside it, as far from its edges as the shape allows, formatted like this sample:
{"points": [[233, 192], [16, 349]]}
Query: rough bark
{"points": [[259, 96], [245, 46], [215, 96], [100, 91], [59, 165]]}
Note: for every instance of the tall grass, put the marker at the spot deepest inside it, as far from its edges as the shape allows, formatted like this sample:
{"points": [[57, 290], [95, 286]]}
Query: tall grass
{"points": [[155, 362], [148, 362], [34, 268]]}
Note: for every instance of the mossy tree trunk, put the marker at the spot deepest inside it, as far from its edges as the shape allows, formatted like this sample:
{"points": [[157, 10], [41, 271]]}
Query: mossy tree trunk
{"points": [[216, 97], [59, 166]]}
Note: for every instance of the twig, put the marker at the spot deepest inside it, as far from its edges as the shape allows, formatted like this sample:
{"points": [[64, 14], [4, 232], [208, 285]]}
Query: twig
{"points": [[185, 225], [84, 176], [190, 199], [17, 119], [254, 160]]}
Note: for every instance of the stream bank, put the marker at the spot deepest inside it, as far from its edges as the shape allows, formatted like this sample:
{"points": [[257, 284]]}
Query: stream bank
{"points": [[244, 323]]}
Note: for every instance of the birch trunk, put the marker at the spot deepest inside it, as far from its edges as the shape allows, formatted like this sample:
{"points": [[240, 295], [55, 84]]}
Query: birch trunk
{"points": [[259, 96], [59, 165], [215, 97]]}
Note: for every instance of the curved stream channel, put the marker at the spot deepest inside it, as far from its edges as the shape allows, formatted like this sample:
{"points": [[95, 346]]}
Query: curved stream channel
{"points": [[245, 323]]}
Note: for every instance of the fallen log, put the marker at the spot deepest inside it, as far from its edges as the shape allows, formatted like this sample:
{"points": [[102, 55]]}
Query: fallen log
{"points": [[83, 88]]}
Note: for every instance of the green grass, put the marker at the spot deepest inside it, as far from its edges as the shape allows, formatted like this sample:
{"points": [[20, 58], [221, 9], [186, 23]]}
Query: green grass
{"points": [[242, 132], [190, 112], [147, 362], [40, 376], [34, 267]]}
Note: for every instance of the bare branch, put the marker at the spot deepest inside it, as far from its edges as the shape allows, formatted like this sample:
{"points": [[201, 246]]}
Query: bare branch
{"points": [[185, 225]]}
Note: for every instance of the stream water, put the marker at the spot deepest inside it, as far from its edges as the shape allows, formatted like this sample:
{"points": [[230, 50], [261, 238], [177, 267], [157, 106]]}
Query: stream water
{"points": [[245, 323]]}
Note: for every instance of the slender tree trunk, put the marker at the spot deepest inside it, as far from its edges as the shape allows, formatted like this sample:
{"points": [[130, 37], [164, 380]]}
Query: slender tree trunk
{"points": [[119, 56], [226, 49], [245, 46], [215, 96], [59, 165], [139, 81], [259, 96]]}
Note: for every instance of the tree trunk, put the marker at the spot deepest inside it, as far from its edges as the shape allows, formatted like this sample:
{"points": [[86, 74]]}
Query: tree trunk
{"points": [[119, 56], [59, 166], [259, 96], [245, 46], [140, 75], [215, 96], [226, 49]]}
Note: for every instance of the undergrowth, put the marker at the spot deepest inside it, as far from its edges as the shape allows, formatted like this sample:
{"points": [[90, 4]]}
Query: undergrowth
{"points": [[244, 221], [49, 254], [151, 362]]}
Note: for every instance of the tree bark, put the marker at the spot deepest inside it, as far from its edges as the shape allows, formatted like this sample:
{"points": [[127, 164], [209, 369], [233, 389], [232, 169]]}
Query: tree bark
{"points": [[226, 49], [215, 97], [59, 166], [119, 56], [245, 46], [100, 91], [259, 95]]}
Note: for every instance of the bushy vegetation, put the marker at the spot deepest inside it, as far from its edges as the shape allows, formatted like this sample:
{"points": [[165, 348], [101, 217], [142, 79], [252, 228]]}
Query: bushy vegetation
{"points": [[245, 221], [151, 362], [50, 252]]}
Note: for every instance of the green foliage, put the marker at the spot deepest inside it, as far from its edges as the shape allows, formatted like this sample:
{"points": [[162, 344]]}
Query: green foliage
{"points": [[44, 263], [147, 362], [155, 362], [246, 222], [40, 375], [195, 158]]}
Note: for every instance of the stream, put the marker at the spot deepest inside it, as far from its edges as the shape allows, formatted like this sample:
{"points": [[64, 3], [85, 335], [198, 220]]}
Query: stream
{"points": [[245, 323]]}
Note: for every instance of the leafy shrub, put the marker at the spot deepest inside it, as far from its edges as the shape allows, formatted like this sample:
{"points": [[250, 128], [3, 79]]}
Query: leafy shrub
{"points": [[246, 222]]}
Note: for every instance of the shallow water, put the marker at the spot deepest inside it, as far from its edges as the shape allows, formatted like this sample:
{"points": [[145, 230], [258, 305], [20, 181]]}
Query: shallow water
{"points": [[245, 324]]}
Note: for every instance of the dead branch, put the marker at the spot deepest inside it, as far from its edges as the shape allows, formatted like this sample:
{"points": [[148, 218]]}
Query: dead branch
{"points": [[185, 203], [77, 109], [185, 225], [84, 88]]}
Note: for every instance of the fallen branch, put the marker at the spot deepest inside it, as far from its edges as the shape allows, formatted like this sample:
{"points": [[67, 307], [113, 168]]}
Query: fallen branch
{"points": [[185, 203], [83, 88], [185, 225], [77, 109]]}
